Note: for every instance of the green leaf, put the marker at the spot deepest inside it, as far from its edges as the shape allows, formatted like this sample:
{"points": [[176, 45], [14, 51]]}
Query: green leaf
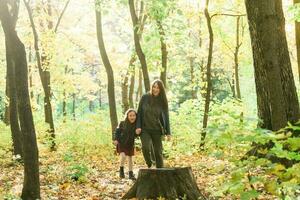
{"points": [[249, 195]]}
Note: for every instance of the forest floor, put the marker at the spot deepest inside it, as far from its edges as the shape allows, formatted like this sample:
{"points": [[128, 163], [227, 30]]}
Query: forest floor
{"points": [[92, 173], [89, 176]]}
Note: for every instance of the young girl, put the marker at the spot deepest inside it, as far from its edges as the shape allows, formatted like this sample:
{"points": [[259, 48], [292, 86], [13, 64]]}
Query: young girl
{"points": [[124, 140]]}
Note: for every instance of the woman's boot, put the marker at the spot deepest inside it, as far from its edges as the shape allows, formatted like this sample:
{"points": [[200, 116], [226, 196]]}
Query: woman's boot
{"points": [[131, 175]]}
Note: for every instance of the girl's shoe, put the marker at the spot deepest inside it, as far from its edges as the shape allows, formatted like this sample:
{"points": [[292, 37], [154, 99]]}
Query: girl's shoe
{"points": [[121, 172], [131, 175]]}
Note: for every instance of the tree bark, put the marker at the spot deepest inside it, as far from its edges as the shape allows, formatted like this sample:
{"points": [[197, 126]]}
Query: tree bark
{"points": [[64, 104], [131, 87], [164, 52], [138, 48], [139, 91], [236, 58], [168, 183], [30, 73], [128, 100], [108, 68], [13, 110], [297, 36], [192, 71], [208, 73], [45, 79], [125, 100], [127, 96], [31, 185], [74, 106], [277, 99], [100, 93], [6, 111]]}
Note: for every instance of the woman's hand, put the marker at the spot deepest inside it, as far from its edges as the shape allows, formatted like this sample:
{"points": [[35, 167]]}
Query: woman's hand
{"points": [[168, 137], [138, 131], [116, 142]]}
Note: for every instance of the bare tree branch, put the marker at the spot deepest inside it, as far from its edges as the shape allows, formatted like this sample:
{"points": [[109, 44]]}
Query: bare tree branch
{"points": [[61, 15], [226, 14]]}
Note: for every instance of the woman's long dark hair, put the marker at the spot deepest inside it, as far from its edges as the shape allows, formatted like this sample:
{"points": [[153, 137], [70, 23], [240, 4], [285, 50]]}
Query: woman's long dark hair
{"points": [[162, 93]]}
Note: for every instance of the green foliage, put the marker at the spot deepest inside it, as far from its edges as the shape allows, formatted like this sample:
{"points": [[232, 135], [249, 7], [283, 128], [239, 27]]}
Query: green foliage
{"points": [[11, 197], [78, 172], [159, 10], [295, 10], [6, 140]]}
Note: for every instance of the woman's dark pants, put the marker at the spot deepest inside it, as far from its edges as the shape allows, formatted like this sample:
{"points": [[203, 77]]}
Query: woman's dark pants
{"points": [[148, 139]]}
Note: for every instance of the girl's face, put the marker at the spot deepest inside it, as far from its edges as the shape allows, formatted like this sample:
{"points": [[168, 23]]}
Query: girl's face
{"points": [[155, 89], [131, 117]]}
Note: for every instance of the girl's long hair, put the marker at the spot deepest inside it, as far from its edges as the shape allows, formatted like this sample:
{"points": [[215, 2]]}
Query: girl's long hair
{"points": [[162, 93], [126, 121]]}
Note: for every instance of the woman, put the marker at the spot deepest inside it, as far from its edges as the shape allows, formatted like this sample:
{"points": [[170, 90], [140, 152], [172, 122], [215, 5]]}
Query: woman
{"points": [[124, 140], [153, 122]]}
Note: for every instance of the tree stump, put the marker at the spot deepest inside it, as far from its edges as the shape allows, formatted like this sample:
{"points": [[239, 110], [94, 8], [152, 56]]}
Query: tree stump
{"points": [[169, 183]]}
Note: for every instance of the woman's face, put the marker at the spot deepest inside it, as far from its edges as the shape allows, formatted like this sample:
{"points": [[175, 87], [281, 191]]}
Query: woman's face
{"points": [[131, 117], [155, 89]]}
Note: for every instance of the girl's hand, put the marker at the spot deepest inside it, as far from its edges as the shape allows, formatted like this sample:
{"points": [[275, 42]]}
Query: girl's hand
{"points": [[116, 142], [138, 131]]}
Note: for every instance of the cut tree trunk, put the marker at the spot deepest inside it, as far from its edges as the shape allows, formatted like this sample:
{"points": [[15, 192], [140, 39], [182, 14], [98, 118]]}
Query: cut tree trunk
{"points": [[169, 183]]}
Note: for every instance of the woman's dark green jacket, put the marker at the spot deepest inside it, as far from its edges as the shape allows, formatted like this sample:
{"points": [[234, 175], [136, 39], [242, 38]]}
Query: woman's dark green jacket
{"points": [[164, 116]]}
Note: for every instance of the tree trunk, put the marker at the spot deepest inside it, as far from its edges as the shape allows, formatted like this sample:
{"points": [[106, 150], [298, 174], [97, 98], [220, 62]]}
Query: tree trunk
{"points": [[127, 97], [64, 104], [91, 106], [297, 36], [13, 110], [208, 73], [138, 48], [125, 103], [202, 67], [139, 91], [31, 185], [74, 106], [192, 70], [167, 183], [276, 92], [236, 58], [100, 94], [164, 53], [30, 72], [131, 87], [45, 79], [6, 111], [108, 68], [232, 85]]}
